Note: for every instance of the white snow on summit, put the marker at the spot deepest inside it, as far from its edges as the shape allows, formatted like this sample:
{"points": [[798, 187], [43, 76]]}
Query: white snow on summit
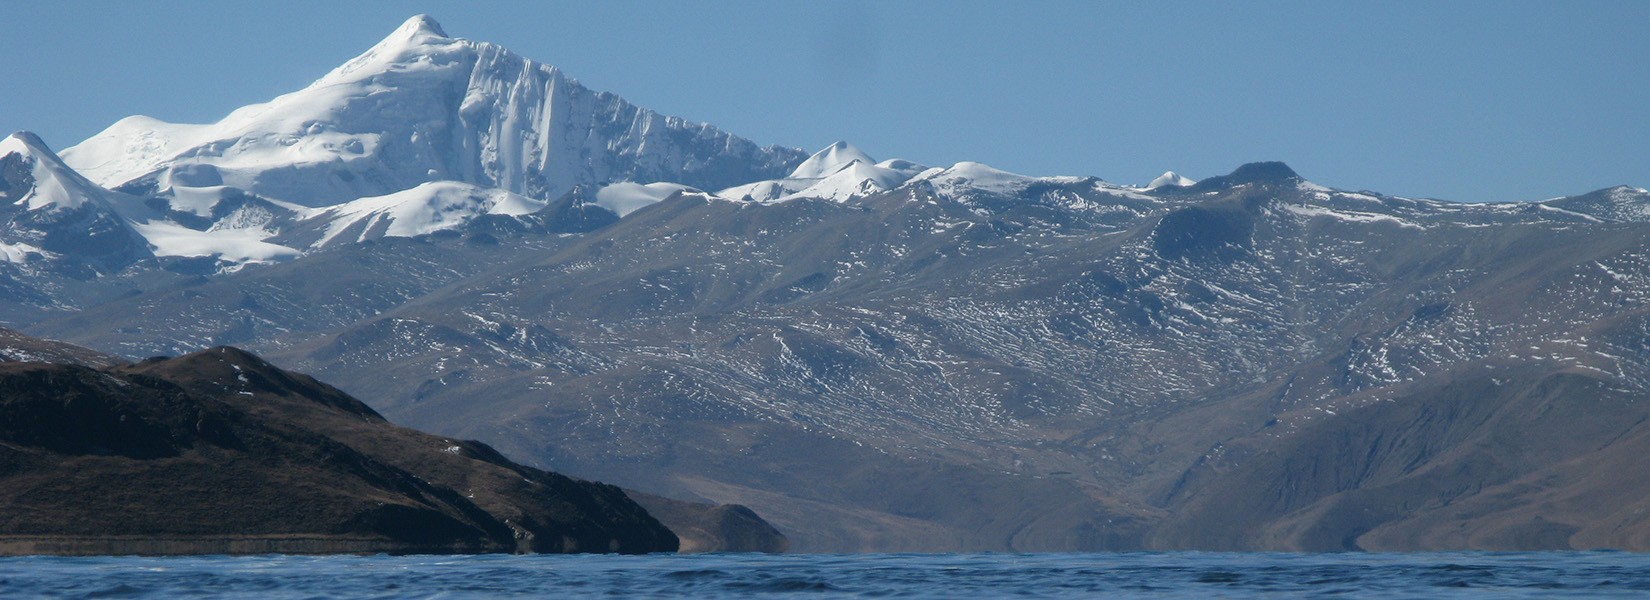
{"points": [[55, 184], [417, 107], [1171, 179], [425, 132], [975, 175], [849, 173], [830, 160], [625, 198], [839, 172], [853, 180]]}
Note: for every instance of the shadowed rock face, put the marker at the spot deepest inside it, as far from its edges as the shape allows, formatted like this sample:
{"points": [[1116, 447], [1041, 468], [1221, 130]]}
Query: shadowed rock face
{"points": [[218, 451], [1203, 232], [1257, 172]]}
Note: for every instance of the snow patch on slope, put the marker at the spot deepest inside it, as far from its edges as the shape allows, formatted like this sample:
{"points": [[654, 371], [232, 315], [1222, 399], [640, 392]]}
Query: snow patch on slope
{"points": [[199, 201], [626, 197], [428, 208], [20, 252], [1569, 213], [1348, 215], [765, 191], [233, 245]]}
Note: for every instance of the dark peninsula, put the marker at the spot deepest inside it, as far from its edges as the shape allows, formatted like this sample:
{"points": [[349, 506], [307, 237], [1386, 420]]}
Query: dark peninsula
{"points": [[221, 452]]}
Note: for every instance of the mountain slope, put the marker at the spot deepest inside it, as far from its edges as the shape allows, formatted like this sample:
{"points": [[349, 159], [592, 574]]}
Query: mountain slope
{"points": [[16, 347], [422, 210], [1505, 456], [219, 451], [975, 359]]}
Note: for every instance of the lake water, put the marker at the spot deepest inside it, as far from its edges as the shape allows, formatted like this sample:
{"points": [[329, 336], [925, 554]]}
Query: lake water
{"points": [[1143, 575]]}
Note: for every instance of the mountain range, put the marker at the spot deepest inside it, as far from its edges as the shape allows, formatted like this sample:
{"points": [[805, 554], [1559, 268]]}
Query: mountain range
{"points": [[873, 355]]}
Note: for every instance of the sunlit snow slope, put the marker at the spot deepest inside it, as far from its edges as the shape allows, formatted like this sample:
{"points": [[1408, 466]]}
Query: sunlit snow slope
{"points": [[418, 107]]}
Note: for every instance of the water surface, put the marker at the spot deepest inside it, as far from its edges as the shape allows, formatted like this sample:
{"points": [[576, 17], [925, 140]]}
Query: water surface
{"points": [[1140, 575]]}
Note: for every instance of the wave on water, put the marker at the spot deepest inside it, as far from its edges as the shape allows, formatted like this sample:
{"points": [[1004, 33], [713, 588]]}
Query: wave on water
{"points": [[1161, 574]]}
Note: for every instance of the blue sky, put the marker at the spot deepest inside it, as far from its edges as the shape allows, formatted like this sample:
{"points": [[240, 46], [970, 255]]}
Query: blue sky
{"points": [[1461, 100]]}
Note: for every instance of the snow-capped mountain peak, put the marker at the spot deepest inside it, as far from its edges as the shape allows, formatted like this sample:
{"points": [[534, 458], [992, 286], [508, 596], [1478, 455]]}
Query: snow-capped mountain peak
{"points": [[47, 209], [1170, 179], [419, 38], [21, 141], [973, 175], [419, 26], [830, 160], [417, 107], [837, 172], [51, 182]]}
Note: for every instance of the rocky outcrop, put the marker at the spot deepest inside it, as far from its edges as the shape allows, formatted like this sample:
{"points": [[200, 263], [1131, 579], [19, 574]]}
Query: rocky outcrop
{"points": [[705, 527], [220, 452]]}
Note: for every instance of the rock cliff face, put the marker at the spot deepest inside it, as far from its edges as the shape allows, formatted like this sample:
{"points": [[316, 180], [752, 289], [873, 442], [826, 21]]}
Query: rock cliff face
{"points": [[218, 452]]}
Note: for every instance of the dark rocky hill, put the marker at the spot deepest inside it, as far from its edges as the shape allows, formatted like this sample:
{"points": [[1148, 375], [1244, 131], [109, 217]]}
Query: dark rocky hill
{"points": [[220, 452]]}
